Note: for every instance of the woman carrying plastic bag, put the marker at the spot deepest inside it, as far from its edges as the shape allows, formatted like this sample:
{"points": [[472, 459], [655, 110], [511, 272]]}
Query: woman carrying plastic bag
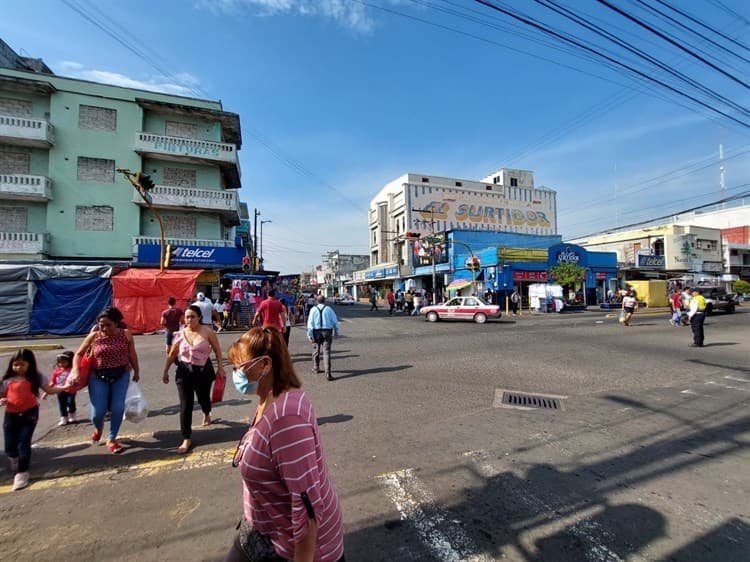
{"points": [[136, 406]]}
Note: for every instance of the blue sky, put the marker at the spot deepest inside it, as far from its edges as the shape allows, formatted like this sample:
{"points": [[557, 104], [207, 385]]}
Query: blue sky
{"points": [[338, 97]]}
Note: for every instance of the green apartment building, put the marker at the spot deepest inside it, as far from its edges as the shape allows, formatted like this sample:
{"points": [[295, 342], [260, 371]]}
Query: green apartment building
{"points": [[61, 140]]}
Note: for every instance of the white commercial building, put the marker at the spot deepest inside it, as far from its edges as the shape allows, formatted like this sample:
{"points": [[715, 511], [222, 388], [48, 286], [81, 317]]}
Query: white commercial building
{"points": [[506, 201]]}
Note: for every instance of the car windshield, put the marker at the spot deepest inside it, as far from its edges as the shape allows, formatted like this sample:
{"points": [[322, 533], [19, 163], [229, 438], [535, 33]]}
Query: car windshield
{"points": [[453, 302]]}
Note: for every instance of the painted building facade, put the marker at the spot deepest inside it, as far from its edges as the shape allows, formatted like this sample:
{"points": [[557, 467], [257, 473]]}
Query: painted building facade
{"points": [[61, 141]]}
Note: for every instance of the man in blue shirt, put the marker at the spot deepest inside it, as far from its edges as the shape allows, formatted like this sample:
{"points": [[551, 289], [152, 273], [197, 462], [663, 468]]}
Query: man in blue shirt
{"points": [[322, 326]]}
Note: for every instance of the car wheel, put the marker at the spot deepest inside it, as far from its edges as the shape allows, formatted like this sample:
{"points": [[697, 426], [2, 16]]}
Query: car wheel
{"points": [[432, 317], [480, 318], [709, 309]]}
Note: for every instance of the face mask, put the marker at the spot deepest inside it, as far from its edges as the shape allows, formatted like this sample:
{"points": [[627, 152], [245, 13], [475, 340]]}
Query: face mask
{"points": [[241, 382]]}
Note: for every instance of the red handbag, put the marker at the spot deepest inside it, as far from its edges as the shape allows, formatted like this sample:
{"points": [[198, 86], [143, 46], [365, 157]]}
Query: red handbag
{"points": [[218, 393], [85, 366]]}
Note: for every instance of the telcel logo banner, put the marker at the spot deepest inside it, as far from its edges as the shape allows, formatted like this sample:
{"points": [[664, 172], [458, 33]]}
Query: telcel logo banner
{"points": [[192, 253], [654, 262]]}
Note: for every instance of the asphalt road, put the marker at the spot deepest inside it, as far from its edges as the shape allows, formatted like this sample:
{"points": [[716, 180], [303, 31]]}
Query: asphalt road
{"points": [[646, 458]]}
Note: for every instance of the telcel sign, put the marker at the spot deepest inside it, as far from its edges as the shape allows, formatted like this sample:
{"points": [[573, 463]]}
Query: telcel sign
{"points": [[651, 262]]}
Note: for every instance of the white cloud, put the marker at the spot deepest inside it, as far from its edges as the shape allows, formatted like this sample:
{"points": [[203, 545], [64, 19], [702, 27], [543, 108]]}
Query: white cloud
{"points": [[346, 13], [183, 84]]}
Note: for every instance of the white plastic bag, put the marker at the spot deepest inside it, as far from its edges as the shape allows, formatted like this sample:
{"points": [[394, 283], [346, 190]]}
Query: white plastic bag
{"points": [[136, 407]]}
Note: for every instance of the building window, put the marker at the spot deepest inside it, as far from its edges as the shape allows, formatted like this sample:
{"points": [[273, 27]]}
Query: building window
{"points": [[488, 187], [95, 217], [705, 245], [14, 163], [97, 118], [182, 130], [15, 108], [179, 177], [514, 182], [96, 169], [459, 184], [13, 219], [179, 227], [426, 180]]}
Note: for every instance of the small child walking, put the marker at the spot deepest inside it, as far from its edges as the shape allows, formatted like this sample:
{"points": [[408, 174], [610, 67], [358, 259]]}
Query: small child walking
{"points": [[65, 399], [19, 391]]}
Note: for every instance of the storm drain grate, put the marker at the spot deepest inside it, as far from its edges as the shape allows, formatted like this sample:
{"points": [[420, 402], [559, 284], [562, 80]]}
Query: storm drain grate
{"points": [[523, 400]]}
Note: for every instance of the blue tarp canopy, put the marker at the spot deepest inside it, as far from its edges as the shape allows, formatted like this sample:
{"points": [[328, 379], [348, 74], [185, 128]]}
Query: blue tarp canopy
{"points": [[69, 306]]}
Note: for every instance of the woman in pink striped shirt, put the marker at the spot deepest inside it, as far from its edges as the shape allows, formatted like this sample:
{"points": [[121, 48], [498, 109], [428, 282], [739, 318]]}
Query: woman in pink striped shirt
{"points": [[290, 508]]}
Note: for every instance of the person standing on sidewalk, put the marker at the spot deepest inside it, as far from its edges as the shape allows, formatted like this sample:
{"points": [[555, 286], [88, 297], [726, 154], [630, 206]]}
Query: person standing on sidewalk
{"points": [[391, 302], [322, 326], [515, 299], [697, 315]]}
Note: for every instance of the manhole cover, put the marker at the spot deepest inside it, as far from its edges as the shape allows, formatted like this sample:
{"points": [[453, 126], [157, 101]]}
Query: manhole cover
{"points": [[527, 401]]}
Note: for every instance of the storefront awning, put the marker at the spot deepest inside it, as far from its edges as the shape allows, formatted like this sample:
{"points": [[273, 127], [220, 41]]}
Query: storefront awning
{"points": [[459, 284]]}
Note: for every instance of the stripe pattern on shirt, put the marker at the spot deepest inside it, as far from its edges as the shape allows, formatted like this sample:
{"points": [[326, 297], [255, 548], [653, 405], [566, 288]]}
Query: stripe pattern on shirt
{"points": [[283, 458]]}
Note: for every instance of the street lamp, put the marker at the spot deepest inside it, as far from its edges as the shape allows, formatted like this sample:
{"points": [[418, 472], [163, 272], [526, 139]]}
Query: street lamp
{"points": [[261, 240]]}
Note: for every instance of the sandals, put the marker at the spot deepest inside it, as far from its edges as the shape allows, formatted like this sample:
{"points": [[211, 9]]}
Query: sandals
{"points": [[114, 446], [96, 435], [184, 449]]}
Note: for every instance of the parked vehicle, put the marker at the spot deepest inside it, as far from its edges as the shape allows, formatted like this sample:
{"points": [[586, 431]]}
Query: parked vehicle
{"points": [[717, 299], [346, 299], [461, 308]]}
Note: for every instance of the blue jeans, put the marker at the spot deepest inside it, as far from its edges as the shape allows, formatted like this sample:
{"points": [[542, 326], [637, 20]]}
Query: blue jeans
{"points": [[17, 430], [67, 403], [108, 396]]}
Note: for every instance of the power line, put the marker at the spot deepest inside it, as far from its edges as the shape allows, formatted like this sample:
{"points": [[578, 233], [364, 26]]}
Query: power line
{"points": [[672, 42], [629, 68]]}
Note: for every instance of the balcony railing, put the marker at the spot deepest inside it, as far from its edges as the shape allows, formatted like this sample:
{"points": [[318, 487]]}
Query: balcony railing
{"points": [[26, 187], [191, 198], [194, 149], [23, 243], [180, 242], [26, 132]]}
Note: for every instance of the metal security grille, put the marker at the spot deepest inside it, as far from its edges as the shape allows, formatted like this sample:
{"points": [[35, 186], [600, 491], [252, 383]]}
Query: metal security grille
{"points": [[523, 400]]}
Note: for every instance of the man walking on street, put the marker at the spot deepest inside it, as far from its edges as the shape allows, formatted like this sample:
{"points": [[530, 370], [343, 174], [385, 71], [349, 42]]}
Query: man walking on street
{"points": [[391, 302], [322, 326], [171, 319], [271, 313], [207, 309], [697, 315]]}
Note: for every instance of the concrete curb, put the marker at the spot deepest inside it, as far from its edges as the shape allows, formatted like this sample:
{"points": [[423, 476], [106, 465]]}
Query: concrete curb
{"points": [[31, 346]]}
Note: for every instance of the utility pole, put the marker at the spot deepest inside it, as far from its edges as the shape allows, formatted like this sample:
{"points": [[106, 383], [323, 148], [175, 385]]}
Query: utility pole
{"points": [[432, 251], [255, 241]]}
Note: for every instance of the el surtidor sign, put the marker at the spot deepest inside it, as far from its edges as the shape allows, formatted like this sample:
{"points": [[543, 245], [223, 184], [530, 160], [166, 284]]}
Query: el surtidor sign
{"points": [[437, 209], [567, 253]]}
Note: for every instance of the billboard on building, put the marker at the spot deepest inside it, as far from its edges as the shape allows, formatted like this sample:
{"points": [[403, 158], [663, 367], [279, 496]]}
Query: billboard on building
{"points": [[438, 209]]}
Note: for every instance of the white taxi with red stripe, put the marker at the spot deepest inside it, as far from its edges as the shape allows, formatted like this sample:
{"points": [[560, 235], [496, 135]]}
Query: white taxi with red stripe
{"points": [[461, 308]]}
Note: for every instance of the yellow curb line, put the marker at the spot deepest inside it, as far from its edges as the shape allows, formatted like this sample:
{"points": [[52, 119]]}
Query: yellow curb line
{"points": [[199, 459], [31, 346]]}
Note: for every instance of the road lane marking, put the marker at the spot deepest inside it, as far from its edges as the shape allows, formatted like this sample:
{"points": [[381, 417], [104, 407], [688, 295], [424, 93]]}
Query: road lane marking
{"points": [[445, 540], [61, 478], [728, 386], [738, 379]]}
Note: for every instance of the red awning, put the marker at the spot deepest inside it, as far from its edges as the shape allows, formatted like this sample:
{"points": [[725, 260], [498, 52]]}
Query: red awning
{"points": [[142, 294]]}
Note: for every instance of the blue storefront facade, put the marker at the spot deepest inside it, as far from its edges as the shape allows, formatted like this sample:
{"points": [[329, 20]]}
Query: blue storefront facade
{"points": [[513, 261]]}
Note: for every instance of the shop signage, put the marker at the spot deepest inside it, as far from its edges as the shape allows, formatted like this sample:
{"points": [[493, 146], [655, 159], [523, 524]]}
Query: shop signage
{"points": [[444, 208], [567, 253], [193, 256], [521, 254], [651, 262], [713, 266], [530, 276], [601, 275], [382, 273]]}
